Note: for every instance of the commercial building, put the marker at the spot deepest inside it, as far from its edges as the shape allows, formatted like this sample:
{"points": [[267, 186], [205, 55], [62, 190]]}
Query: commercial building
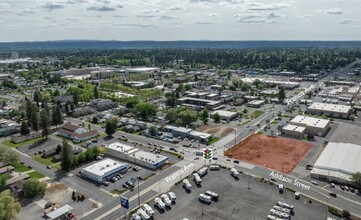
{"points": [[188, 133], [8, 127], [267, 82], [313, 126], [331, 110], [338, 162], [76, 133], [134, 155], [202, 103], [102, 104], [104, 170], [255, 103], [142, 70], [225, 115], [294, 130]]}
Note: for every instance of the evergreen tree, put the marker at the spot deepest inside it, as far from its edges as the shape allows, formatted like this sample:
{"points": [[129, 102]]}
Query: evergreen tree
{"points": [[111, 126], [204, 116], [76, 98], [28, 108], [96, 92], [66, 156], [281, 94], [216, 118], [44, 123], [34, 120], [67, 107], [57, 117], [37, 97], [24, 130]]}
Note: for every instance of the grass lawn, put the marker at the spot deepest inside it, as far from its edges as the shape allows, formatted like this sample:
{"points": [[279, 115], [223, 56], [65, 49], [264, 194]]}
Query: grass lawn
{"points": [[8, 143], [118, 192], [36, 175], [213, 140], [257, 113], [274, 122], [46, 161], [57, 166], [102, 135], [20, 167]]}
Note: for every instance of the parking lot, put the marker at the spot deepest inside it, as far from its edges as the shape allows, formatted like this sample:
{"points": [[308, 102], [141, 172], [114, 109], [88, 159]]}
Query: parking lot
{"points": [[236, 201]]}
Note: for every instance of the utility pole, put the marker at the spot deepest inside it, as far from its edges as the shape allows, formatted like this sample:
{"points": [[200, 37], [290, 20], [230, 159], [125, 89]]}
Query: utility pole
{"points": [[138, 193]]}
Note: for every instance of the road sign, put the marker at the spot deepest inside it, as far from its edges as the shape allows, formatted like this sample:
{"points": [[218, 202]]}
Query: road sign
{"points": [[207, 154], [124, 202]]}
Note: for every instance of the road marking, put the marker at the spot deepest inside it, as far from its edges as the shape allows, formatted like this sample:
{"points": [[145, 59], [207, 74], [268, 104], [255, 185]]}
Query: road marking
{"points": [[324, 187]]}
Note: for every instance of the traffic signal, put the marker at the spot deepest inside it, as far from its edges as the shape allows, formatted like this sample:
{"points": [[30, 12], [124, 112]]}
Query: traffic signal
{"points": [[207, 154]]}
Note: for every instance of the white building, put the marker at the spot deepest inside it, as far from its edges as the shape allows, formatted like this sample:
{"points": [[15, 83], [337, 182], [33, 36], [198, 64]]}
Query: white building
{"points": [[225, 115], [313, 126], [104, 170], [338, 162], [332, 110], [134, 155]]}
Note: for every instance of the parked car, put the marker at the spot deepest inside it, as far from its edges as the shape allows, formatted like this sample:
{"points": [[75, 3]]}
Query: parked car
{"points": [[297, 195], [49, 167], [332, 185], [136, 168], [235, 161], [105, 183], [314, 182]]}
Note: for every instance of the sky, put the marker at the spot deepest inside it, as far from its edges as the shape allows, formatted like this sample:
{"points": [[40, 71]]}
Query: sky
{"points": [[41, 20]]}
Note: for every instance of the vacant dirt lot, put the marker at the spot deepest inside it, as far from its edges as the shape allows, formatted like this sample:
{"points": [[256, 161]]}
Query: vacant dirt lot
{"points": [[282, 154], [216, 130]]}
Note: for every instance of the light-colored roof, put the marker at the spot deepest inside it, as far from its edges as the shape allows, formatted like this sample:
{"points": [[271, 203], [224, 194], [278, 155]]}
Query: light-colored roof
{"points": [[142, 69], [340, 160], [255, 102], [225, 113], [309, 121], [200, 134], [208, 102], [330, 107], [60, 211], [103, 167], [179, 129], [148, 157], [296, 128], [120, 147]]}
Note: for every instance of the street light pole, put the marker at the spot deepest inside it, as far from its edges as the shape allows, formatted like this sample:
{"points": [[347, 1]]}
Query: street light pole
{"points": [[138, 193]]}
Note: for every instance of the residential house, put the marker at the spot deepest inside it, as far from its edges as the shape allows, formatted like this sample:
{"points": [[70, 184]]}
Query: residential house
{"points": [[102, 104], [76, 133], [8, 127]]}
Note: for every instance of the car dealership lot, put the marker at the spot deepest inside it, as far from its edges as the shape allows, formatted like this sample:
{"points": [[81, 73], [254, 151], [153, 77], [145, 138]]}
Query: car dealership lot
{"points": [[235, 200]]}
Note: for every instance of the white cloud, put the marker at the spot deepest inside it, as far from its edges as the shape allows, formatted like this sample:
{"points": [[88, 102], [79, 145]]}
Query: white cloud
{"points": [[177, 8], [257, 6], [347, 21], [332, 11], [51, 6]]}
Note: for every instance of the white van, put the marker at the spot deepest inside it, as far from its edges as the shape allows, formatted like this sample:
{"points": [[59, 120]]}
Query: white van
{"points": [[197, 179], [159, 203], [234, 173], [135, 216], [204, 198], [212, 194], [166, 199], [214, 167], [285, 205], [203, 171], [186, 184], [172, 196], [148, 210], [143, 214]]}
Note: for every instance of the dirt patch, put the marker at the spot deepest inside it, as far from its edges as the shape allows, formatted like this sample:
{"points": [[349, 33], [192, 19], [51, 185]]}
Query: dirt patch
{"points": [[216, 130], [282, 154]]}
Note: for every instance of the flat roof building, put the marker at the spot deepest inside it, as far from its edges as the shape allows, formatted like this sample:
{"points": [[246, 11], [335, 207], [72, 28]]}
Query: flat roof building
{"points": [[255, 103], [338, 162], [189, 133], [132, 154], [104, 170], [313, 126], [203, 103], [294, 130], [225, 115], [331, 110]]}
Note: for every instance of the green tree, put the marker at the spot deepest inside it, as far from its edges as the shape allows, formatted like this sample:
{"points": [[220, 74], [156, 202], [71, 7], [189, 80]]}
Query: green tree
{"points": [[10, 157], [188, 116], [37, 97], [67, 107], [81, 158], [4, 103], [145, 110], [111, 126], [9, 207], [244, 87], [89, 127], [153, 130], [204, 116], [95, 120], [256, 82], [96, 92], [171, 99], [281, 94], [216, 118], [33, 188], [356, 180], [57, 117], [132, 102], [34, 120], [66, 156], [44, 123], [24, 130], [28, 108], [3, 179], [171, 115], [346, 214]]}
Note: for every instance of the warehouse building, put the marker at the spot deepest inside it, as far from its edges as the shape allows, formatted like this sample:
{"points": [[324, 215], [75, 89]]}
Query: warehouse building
{"points": [[200, 103], [255, 103], [313, 126], [104, 170], [338, 162], [183, 132], [225, 115], [331, 110], [134, 155], [294, 130]]}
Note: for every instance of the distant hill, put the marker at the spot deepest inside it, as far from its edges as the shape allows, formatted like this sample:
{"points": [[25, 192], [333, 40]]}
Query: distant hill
{"points": [[94, 44]]}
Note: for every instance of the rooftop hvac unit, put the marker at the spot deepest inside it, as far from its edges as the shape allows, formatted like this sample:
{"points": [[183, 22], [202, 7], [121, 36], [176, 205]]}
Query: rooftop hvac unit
{"points": [[108, 165], [115, 163]]}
